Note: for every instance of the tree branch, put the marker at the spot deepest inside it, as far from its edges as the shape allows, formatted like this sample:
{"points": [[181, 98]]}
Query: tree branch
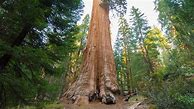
{"points": [[4, 60]]}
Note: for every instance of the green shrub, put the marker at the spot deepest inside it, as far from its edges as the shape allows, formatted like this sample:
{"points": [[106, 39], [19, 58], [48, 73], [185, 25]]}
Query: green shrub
{"points": [[173, 94]]}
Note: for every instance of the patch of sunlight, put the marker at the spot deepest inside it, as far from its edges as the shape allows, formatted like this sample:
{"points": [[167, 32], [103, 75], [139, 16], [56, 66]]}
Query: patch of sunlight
{"points": [[136, 99]]}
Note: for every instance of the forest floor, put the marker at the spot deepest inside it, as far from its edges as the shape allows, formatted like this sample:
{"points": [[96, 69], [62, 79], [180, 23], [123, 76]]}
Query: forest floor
{"points": [[136, 102]]}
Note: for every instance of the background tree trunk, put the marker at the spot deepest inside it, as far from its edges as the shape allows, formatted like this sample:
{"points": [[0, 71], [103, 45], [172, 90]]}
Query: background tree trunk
{"points": [[4, 60], [98, 72]]}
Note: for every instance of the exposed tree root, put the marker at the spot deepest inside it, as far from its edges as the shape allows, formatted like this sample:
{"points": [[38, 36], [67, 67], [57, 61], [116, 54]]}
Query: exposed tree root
{"points": [[86, 96], [109, 98]]}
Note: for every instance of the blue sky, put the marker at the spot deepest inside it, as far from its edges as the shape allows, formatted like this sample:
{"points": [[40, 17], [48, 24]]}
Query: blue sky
{"points": [[145, 6]]}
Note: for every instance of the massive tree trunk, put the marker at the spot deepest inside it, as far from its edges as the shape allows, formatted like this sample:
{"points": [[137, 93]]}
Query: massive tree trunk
{"points": [[98, 73]]}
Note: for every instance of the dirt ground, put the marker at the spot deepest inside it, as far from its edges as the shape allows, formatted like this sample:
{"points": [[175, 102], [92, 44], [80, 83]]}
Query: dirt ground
{"points": [[133, 103]]}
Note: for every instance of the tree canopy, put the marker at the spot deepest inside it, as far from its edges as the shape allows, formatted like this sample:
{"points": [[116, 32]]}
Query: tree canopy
{"points": [[158, 63], [35, 37], [119, 6]]}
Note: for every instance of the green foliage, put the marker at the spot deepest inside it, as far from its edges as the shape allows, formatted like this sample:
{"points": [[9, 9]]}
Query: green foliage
{"points": [[161, 66], [119, 6], [172, 94], [36, 38], [139, 24], [77, 55], [83, 31], [176, 17], [171, 86], [131, 60], [42, 106]]}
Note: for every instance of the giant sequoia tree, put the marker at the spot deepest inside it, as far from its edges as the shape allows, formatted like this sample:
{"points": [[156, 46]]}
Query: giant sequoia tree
{"points": [[98, 74]]}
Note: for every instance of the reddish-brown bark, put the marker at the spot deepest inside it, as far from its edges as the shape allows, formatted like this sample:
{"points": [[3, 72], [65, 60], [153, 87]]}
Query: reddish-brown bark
{"points": [[98, 72]]}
